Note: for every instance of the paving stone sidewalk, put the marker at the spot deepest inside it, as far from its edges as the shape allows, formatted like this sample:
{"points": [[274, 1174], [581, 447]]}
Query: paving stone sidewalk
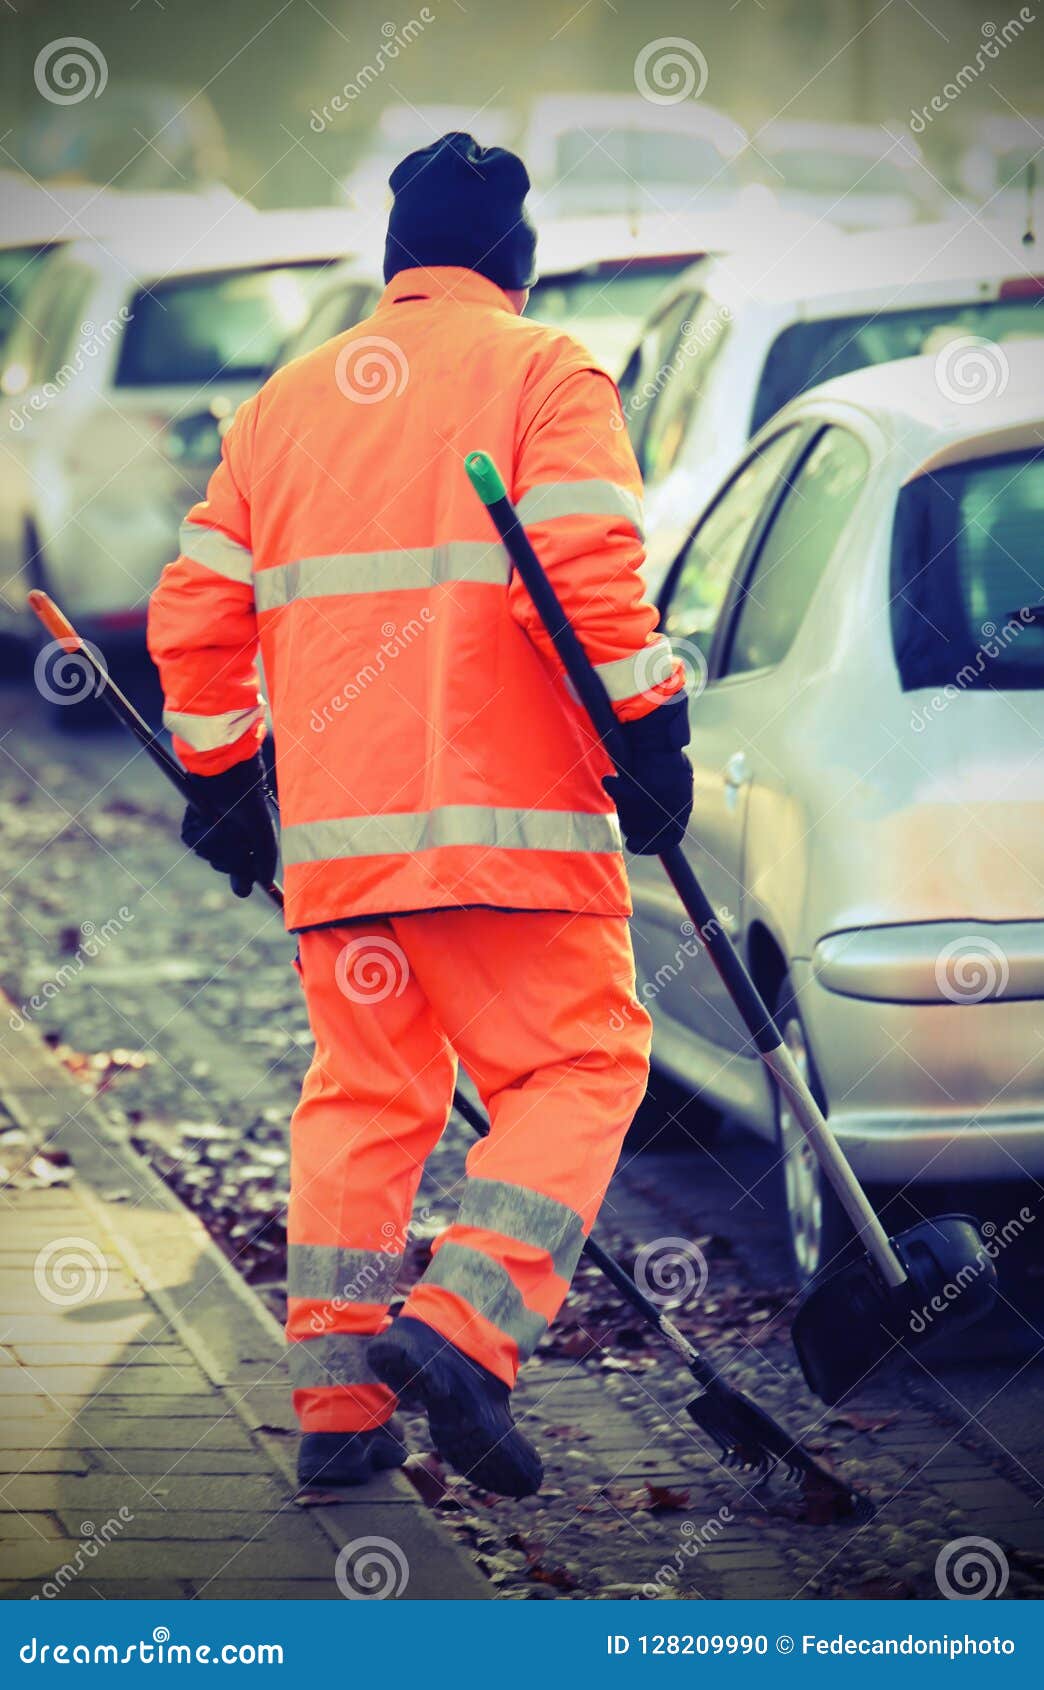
{"points": [[146, 1440]]}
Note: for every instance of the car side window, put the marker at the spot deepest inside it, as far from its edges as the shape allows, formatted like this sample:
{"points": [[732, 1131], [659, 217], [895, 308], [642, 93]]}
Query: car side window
{"points": [[795, 551], [684, 381], [643, 373], [717, 547], [62, 326]]}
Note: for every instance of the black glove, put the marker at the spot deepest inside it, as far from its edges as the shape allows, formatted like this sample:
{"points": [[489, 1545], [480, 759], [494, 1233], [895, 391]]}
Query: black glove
{"points": [[653, 797], [241, 841]]}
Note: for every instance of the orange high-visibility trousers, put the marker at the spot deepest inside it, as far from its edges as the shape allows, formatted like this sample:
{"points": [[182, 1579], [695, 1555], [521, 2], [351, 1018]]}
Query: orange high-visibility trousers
{"points": [[540, 1007]]}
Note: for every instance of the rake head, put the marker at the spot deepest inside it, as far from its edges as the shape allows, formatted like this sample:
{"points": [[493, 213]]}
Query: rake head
{"points": [[751, 1441]]}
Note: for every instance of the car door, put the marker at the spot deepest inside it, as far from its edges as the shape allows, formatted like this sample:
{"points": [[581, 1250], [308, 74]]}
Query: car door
{"points": [[677, 979], [742, 750]]}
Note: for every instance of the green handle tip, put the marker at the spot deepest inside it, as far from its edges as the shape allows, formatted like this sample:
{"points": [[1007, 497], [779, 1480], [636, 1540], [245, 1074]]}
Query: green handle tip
{"points": [[485, 477]]}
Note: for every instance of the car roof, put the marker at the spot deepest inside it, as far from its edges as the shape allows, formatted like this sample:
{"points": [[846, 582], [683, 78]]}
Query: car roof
{"points": [[45, 214], [869, 140], [561, 113], [203, 239], [971, 391], [575, 243], [917, 261]]}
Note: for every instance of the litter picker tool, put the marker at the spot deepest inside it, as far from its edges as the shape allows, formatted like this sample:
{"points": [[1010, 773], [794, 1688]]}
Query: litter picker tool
{"points": [[746, 1436], [855, 1318]]}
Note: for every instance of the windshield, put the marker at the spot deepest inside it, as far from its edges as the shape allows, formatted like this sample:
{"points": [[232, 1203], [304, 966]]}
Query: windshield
{"points": [[19, 268], [967, 588], [203, 329], [838, 173], [605, 306], [807, 353]]}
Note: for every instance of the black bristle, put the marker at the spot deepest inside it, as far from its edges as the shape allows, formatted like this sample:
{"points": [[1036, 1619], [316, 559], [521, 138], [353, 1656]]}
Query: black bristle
{"points": [[750, 1440]]}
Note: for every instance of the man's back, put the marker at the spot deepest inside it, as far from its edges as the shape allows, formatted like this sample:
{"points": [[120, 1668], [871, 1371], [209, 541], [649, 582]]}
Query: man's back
{"points": [[427, 752]]}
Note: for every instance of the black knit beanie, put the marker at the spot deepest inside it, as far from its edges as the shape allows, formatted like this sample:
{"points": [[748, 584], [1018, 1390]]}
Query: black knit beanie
{"points": [[462, 204]]}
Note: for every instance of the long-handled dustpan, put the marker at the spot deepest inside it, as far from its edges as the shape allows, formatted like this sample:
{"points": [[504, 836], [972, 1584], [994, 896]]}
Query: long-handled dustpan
{"points": [[746, 1436], [853, 1320]]}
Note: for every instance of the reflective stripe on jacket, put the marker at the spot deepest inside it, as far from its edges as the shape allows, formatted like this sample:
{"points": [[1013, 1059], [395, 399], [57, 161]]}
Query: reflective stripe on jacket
{"points": [[429, 751]]}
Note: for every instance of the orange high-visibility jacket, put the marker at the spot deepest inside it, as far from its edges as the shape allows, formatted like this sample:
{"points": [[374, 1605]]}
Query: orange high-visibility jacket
{"points": [[429, 751]]}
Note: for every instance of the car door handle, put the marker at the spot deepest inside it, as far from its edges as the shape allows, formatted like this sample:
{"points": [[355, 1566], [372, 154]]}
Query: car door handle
{"points": [[737, 770]]}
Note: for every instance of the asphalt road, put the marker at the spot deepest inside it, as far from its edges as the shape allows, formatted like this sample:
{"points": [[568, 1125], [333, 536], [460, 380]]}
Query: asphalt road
{"points": [[177, 1004]]}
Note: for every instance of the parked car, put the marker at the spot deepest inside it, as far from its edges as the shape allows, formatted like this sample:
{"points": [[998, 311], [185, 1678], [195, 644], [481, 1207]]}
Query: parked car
{"points": [[37, 221], [1000, 170], [601, 277], [116, 342], [863, 599], [612, 154], [856, 175], [736, 339]]}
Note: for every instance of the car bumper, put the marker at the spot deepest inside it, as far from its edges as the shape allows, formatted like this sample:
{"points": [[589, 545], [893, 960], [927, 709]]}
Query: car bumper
{"points": [[925, 1084]]}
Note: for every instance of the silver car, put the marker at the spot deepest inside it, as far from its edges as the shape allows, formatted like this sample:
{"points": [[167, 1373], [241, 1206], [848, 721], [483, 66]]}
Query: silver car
{"points": [[861, 608]]}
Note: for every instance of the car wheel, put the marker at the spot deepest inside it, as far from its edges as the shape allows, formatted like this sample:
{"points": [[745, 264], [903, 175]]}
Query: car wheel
{"points": [[818, 1228]]}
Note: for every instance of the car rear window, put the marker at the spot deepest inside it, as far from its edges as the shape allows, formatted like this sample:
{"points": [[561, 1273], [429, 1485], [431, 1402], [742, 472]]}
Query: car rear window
{"points": [[202, 329], [610, 156], [967, 586], [838, 173], [807, 353], [605, 305]]}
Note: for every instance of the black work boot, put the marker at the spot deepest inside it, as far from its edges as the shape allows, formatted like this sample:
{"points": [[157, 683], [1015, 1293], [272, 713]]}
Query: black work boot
{"points": [[467, 1406], [348, 1458]]}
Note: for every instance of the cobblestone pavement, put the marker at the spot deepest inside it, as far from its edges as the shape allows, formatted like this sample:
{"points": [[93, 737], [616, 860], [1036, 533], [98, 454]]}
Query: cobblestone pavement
{"points": [[146, 1446], [187, 1029]]}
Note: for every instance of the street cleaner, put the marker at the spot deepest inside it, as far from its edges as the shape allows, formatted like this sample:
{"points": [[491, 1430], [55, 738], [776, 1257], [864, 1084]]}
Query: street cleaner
{"points": [[450, 834]]}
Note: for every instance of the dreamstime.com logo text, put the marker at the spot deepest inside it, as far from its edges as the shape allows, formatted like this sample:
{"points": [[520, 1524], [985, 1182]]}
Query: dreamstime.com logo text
{"points": [[995, 1240], [93, 941], [93, 1539], [375, 1280], [92, 341], [394, 642], [693, 341], [155, 1651], [693, 1539], [688, 947], [993, 43], [397, 37], [994, 641]]}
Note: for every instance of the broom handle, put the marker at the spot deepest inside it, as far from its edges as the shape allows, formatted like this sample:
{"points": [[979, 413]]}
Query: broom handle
{"points": [[61, 629], [765, 1034], [615, 1272]]}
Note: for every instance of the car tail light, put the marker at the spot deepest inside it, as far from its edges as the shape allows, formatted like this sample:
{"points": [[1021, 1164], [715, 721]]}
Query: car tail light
{"points": [[1022, 287]]}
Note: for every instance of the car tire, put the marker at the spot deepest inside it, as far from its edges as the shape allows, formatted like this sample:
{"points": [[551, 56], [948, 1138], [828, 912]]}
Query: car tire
{"points": [[818, 1230]]}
